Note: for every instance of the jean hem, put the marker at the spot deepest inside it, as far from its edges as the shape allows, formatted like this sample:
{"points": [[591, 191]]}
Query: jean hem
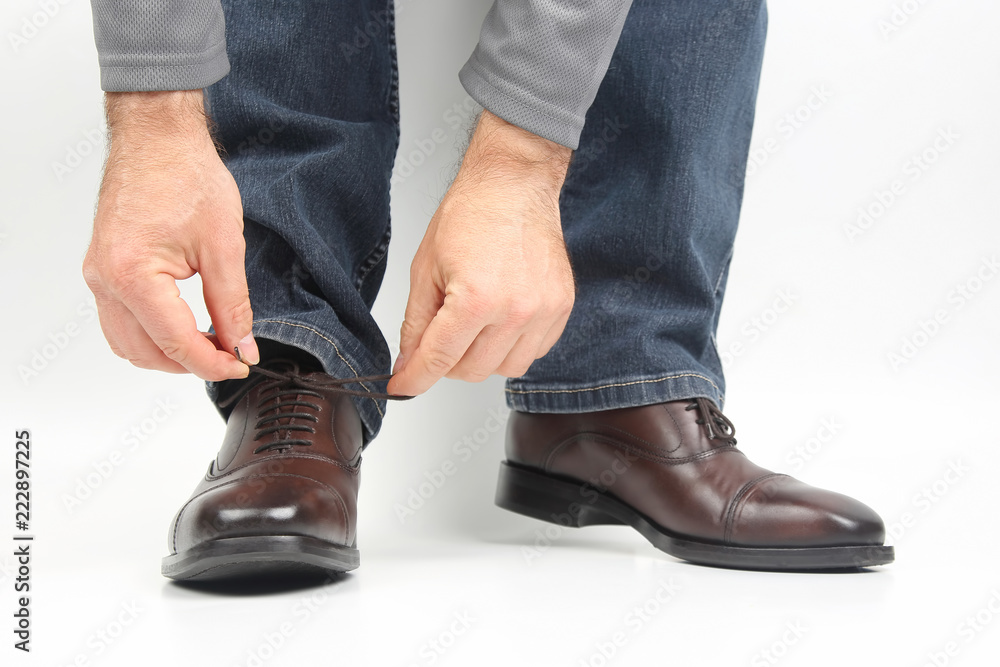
{"points": [[625, 393]]}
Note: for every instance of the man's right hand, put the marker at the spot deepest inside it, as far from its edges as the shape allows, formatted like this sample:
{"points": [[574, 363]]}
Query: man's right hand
{"points": [[168, 209]]}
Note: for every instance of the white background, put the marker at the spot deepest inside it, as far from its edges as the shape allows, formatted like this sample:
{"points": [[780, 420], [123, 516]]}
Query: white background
{"points": [[897, 429]]}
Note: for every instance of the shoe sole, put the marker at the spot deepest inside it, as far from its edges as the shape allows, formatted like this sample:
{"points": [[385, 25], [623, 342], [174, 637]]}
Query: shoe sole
{"points": [[568, 502], [268, 555]]}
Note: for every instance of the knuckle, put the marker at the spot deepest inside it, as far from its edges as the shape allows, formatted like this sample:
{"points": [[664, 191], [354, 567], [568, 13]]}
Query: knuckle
{"points": [[407, 329], [470, 375], [175, 351], [142, 361], [91, 273], [241, 312], [439, 362], [123, 279], [514, 370], [478, 301], [522, 311]]}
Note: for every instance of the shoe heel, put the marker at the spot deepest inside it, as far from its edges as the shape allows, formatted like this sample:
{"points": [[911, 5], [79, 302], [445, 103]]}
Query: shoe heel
{"points": [[551, 499]]}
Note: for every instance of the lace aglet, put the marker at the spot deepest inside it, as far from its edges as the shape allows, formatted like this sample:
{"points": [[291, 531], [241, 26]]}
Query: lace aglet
{"points": [[239, 357]]}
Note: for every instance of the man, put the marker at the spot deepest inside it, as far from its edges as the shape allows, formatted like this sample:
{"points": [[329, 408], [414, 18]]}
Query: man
{"points": [[614, 376]]}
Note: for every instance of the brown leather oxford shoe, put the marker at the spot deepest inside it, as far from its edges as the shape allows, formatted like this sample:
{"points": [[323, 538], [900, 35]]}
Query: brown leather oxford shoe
{"points": [[281, 497], [672, 471]]}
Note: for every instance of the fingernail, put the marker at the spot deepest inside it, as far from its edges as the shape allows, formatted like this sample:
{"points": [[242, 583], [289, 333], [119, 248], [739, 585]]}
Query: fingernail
{"points": [[398, 366], [247, 350]]}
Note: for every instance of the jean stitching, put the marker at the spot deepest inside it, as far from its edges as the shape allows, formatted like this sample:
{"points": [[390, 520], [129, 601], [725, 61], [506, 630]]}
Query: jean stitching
{"points": [[725, 265], [374, 258], [335, 348], [615, 384]]}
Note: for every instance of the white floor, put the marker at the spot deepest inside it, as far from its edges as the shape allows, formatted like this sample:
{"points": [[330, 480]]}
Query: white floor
{"points": [[463, 582], [814, 390]]}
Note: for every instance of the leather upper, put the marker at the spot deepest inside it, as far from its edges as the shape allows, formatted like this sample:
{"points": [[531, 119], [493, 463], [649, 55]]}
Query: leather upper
{"points": [[661, 461], [289, 465]]}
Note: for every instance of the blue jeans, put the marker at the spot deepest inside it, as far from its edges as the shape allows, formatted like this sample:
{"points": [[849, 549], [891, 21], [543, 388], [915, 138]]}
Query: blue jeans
{"points": [[309, 118]]}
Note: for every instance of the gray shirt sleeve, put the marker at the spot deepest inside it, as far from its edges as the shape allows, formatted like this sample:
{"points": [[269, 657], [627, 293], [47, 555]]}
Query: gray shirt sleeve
{"points": [[539, 63], [160, 44]]}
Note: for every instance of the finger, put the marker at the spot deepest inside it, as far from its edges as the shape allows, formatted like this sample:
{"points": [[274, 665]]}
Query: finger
{"points": [[443, 344], [553, 335], [168, 321], [423, 303], [521, 356], [484, 356], [224, 285], [131, 341]]}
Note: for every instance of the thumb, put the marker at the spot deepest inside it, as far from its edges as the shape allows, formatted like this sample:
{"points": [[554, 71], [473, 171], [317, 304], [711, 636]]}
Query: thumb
{"points": [[422, 305], [224, 283]]}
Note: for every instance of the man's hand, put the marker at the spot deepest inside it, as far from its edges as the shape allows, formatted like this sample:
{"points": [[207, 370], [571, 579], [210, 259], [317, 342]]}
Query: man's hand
{"points": [[168, 209], [491, 286]]}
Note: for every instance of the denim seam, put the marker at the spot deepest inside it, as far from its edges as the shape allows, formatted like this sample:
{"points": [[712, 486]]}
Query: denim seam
{"points": [[614, 384], [335, 348], [374, 258], [725, 265]]}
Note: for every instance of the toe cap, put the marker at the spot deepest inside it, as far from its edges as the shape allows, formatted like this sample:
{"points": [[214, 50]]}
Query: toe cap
{"points": [[265, 505], [781, 511]]}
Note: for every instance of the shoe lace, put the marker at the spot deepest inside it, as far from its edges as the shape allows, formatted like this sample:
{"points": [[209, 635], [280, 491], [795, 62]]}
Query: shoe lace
{"points": [[723, 429], [279, 391]]}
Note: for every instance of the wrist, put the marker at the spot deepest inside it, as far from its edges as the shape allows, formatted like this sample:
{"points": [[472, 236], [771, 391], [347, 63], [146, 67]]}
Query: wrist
{"points": [[148, 116], [499, 145]]}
